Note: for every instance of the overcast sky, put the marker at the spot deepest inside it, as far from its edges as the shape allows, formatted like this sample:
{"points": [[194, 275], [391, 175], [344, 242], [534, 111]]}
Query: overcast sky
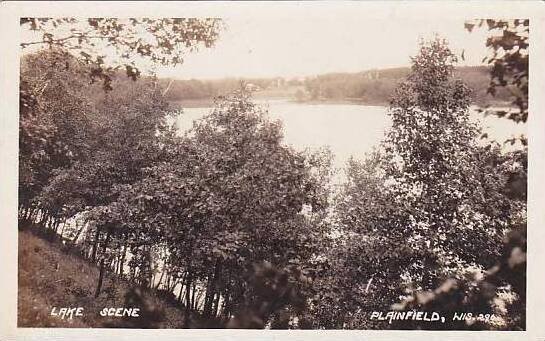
{"points": [[301, 46]]}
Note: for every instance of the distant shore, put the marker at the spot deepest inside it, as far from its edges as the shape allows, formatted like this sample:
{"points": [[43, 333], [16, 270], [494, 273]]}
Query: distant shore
{"points": [[209, 102]]}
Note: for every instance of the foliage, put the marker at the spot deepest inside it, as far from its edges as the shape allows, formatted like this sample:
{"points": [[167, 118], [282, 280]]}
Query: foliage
{"points": [[227, 222], [228, 196], [135, 43], [479, 294], [430, 204], [509, 46], [437, 166], [61, 114], [77, 141], [54, 113], [509, 59]]}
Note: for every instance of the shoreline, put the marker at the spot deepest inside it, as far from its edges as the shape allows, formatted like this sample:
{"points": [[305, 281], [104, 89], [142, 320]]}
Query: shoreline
{"points": [[209, 102]]}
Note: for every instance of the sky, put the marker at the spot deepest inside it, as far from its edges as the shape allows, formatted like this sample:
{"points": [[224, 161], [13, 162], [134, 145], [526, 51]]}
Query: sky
{"points": [[295, 46]]}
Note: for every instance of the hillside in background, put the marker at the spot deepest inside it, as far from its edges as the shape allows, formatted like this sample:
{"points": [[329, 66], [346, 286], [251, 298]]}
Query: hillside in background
{"points": [[373, 87]]}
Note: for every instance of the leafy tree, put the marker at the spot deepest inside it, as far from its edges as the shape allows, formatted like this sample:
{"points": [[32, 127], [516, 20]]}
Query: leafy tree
{"points": [[436, 172], [57, 107], [367, 260], [135, 43], [54, 119], [229, 196], [80, 145], [439, 171], [431, 203], [509, 59]]}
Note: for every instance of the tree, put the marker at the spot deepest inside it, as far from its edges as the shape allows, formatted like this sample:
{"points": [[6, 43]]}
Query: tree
{"points": [[509, 61], [134, 43], [228, 197], [427, 205], [437, 171], [57, 107], [54, 119], [80, 145]]}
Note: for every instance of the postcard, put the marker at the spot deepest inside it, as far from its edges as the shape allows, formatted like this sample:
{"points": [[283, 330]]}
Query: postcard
{"points": [[298, 170]]}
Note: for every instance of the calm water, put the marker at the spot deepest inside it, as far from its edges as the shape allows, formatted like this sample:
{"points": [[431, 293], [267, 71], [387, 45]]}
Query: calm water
{"points": [[347, 129]]}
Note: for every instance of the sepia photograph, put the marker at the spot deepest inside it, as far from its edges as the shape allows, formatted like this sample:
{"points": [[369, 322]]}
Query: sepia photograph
{"points": [[280, 171], [323, 193]]}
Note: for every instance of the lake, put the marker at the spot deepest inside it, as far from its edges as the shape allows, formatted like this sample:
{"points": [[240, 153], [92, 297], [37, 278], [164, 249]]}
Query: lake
{"points": [[348, 129]]}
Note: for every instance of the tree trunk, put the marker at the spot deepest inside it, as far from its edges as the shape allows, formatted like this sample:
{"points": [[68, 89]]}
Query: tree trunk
{"points": [[167, 284], [180, 293], [216, 304], [78, 233], [43, 217], [160, 279], [193, 296], [102, 268], [100, 278], [182, 282], [95, 246], [33, 215], [123, 257], [62, 229], [226, 306], [187, 300], [211, 289]]}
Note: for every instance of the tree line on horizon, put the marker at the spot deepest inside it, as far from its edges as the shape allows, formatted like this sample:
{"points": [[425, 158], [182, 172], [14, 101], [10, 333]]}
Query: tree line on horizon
{"points": [[373, 87]]}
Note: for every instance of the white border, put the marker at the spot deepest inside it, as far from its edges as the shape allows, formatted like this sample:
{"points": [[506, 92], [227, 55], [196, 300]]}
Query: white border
{"points": [[10, 12]]}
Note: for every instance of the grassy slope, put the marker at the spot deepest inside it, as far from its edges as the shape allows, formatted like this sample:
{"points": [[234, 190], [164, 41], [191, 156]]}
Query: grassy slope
{"points": [[49, 277]]}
